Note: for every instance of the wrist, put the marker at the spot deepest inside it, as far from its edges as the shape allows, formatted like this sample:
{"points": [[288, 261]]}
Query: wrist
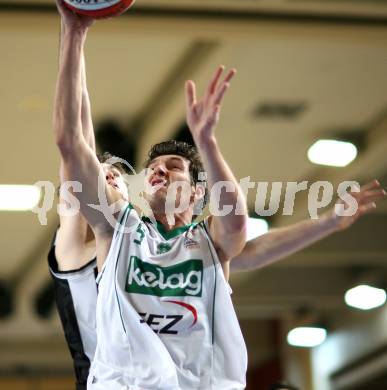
{"points": [[75, 32], [206, 143], [331, 221]]}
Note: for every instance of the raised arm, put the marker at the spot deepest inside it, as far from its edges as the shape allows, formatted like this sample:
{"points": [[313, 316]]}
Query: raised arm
{"points": [[280, 243], [74, 236], [72, 121], [227, 231], [86, 118]]}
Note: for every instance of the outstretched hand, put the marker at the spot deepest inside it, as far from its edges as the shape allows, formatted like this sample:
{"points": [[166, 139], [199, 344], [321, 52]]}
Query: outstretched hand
{"points": [[366, 199], [203, 114], [71, 19]]}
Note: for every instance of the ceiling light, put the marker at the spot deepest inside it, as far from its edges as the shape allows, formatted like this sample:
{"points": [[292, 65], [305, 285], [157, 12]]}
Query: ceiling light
{"points": [[256, 227], [18, 197], [333, 153], [365, 297], [306, 336]]}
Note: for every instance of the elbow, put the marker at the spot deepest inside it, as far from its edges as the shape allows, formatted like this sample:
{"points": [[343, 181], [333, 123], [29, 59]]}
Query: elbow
{"points": [[238, 235], [241, 223], [238, 225], [67, 130], [241, 231], [60, 139], [62, 142], [240, 217], [65, 143]]}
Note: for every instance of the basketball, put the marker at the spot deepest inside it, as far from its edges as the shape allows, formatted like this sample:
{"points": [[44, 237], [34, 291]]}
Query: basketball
{"points": [[99, 9]]}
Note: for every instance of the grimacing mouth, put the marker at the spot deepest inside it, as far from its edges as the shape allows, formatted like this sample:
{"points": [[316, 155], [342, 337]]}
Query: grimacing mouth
{"points": [[157, 181]]}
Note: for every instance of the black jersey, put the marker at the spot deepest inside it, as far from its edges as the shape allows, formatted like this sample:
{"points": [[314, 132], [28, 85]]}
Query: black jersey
{"points": [[76, 298]]}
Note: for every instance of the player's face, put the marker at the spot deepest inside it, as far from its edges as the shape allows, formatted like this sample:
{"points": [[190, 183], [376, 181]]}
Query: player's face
{"points": [[164, 170], [115, 179]]}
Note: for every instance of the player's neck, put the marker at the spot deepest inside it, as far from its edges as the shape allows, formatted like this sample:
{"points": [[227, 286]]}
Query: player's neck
{"points": [[90, 238], [174, 221]]}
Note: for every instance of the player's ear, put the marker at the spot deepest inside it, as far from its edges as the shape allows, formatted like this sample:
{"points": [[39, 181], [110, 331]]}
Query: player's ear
{"points": [[200, 191]]}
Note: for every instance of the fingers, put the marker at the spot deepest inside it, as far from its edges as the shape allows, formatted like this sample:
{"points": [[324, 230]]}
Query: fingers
{"points": [[66, 14], [366, 208], [220, 95], [371, 196], [213, 86], [370, 192], [232, 72], [61, 7], [370, 186], [71, 18], [214, 81], [215, 91], [224, 87], [376, 194], [190, 93]]}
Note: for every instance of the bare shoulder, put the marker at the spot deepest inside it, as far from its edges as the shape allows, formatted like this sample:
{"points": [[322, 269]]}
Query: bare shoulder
{"points": [[103, 243], [73, 251]]}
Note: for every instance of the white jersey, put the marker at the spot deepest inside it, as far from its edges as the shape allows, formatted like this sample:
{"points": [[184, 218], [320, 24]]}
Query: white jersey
{"points": [[165, 319]]}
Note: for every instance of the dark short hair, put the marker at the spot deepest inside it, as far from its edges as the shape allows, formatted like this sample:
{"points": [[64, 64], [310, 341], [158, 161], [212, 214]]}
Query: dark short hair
{"points": [[102, 158], [107, 156], [182, 149]]}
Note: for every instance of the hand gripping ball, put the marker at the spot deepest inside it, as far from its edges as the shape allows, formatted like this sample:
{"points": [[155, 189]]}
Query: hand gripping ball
{"points": [[99, 8]]}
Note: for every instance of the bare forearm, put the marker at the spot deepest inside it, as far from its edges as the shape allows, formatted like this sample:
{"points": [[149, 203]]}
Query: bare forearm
{"points": [[68, 97], [87, 123], [279, 243], [218, 171], [86, 119], [229, 216]]}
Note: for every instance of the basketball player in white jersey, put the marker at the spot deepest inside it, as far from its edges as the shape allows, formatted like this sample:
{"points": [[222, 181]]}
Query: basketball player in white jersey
{"points": [[164, 316], [73, 264], [137, 284], [76, 290]]}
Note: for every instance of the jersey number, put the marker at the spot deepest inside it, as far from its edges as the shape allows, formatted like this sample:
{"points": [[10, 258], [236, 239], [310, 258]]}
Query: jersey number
{"points": [[141, 235]]}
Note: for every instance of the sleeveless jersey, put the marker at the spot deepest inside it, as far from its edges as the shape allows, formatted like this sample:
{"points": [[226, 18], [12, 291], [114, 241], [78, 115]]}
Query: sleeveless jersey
{"points": [[165, 319], [76, 299]]}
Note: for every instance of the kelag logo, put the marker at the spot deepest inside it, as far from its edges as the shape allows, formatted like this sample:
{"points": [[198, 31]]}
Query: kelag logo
{"points": [[184, 279]]}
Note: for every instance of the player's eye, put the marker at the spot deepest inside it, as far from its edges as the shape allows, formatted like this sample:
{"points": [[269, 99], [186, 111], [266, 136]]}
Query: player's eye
{"points": [[175, 165]]}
